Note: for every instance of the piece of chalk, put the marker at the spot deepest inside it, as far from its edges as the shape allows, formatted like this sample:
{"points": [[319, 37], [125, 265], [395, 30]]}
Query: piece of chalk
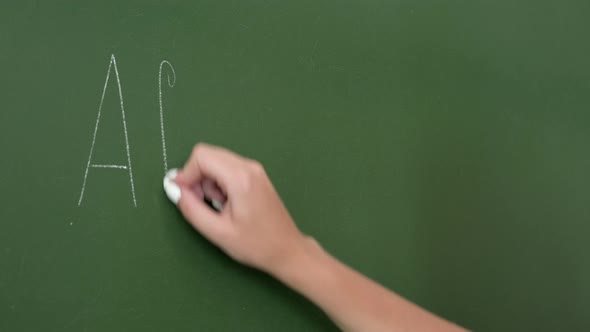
{"points": [[217, 205], [170, 187]]}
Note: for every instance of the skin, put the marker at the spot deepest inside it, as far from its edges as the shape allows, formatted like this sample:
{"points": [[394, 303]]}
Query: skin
{"points": [[255, 229]]}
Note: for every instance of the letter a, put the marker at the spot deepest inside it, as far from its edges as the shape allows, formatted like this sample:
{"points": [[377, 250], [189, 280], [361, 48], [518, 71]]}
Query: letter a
{"points": [[112, 64]]}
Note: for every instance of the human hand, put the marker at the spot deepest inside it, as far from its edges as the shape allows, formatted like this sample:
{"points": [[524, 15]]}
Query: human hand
{"points": [[253, 226]]}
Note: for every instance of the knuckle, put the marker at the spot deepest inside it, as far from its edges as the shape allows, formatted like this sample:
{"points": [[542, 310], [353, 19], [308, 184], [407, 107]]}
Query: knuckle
{"points": [[250, 175], [244, 179], [197, 149], [256, 168]]}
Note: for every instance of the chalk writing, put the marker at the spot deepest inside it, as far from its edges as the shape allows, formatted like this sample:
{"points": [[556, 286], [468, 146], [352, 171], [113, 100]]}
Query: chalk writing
{"points": [[112, 64], [170, 84]]}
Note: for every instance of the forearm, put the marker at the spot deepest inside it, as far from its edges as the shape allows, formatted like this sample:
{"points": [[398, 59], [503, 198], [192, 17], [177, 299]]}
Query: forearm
{"points": [[354, 302]]}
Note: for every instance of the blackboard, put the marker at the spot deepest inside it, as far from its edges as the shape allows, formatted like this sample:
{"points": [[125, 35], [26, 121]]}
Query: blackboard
{"points": [[439, 147]]}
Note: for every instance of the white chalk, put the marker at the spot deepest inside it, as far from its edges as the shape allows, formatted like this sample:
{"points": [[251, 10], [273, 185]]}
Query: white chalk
{"points": [[217, 205], [170, 187]]}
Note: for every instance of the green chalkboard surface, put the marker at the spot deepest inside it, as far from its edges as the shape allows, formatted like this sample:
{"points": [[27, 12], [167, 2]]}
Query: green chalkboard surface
{"points": [[439, 147]]}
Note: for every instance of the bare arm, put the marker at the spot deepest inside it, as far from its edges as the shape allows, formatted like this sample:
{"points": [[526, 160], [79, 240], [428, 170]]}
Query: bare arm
{"points": [[255, 229], [354, 302]]}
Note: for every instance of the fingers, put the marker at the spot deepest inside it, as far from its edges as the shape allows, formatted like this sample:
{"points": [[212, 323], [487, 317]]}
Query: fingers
{"points": [[201, 217], [210, 161], [212, 191]]}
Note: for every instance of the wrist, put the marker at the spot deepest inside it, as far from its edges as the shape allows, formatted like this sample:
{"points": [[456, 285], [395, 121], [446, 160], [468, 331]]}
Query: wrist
{"points": [[300, 257]]}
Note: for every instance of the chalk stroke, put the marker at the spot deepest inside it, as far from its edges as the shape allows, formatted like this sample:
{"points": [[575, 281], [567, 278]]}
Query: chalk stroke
{"points": [[109, 166], [112, 64], [170, 84]]}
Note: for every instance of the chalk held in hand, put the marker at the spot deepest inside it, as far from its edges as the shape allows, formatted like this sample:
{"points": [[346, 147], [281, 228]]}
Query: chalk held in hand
{"points": [[170, 187], [174, 193]]}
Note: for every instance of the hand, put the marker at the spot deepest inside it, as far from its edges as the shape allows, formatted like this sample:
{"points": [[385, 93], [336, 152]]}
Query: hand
{"points": [[253, 226]]}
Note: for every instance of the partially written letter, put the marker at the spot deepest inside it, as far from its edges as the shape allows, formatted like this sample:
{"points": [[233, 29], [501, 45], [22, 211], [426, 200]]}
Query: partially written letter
{"points": [[171, 82]]}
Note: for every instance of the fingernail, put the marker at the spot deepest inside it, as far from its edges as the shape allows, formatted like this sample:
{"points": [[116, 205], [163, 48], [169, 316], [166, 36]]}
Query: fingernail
{"points": [[170, 187]]}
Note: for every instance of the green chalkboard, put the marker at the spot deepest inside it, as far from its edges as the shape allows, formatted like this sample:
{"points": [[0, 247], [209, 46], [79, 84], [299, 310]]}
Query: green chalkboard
{"points": [[439, 147]]}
